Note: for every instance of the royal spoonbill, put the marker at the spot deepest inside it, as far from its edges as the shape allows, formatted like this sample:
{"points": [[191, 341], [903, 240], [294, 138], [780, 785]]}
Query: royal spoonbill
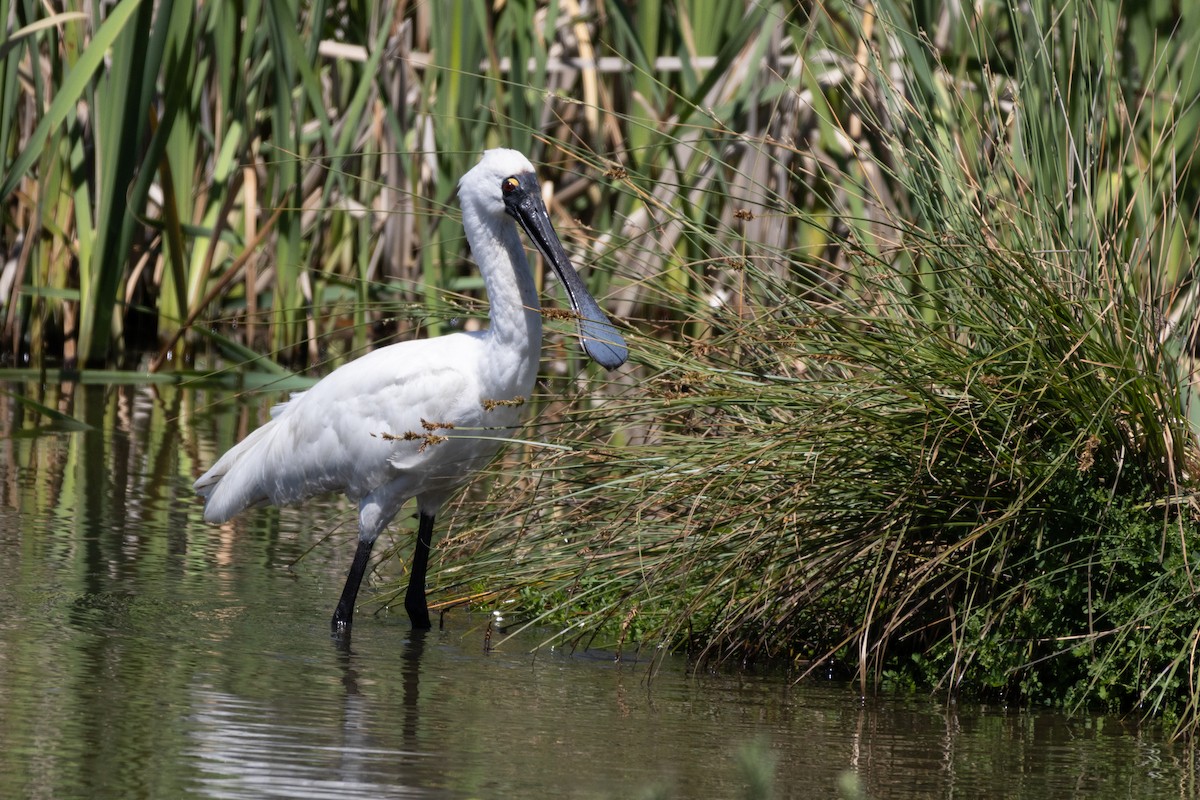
{"points": [[417, 418]]}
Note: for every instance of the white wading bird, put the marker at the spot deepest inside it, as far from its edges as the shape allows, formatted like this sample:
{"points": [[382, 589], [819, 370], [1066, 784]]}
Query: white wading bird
{"points": [[417, 418]]}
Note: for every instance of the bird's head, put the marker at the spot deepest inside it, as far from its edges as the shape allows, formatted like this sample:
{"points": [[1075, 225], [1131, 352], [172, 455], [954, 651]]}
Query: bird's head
{"points": [[483, 186], [503, 182]]}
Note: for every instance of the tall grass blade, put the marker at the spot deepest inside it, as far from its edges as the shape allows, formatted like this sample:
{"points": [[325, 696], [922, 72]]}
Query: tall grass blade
{"points": [[67, 95]]}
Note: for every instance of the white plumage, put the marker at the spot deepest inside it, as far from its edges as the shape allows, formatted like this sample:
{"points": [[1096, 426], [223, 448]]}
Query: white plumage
{"points": [[416, 419]]}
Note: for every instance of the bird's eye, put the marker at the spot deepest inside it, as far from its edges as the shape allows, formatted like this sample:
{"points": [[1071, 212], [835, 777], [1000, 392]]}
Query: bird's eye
{"points": [[509, 185]]}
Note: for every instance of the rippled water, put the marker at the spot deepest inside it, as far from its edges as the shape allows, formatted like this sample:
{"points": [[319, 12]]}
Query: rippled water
{"points": [[144, 654]]}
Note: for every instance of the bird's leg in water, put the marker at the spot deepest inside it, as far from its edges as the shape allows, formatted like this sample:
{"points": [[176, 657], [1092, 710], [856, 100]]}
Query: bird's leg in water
{"points": [[414, 598], [343, 616]]}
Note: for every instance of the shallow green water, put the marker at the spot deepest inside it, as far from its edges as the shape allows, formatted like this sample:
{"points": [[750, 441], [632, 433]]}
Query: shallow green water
{"points": [[144, 654]]}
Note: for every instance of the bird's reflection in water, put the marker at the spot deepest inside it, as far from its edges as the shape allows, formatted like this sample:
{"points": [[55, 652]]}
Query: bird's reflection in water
{"points": [[410, 676], [300, 743], [410, 679]]}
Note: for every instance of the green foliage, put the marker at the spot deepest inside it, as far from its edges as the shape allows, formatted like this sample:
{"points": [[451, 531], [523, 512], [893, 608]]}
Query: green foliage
{"points": [[910, 291], [272, 167], [950, 447], [1093, 607]]}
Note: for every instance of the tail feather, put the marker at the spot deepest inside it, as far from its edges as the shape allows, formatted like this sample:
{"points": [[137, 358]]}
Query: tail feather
{"points": [[235, 481]]}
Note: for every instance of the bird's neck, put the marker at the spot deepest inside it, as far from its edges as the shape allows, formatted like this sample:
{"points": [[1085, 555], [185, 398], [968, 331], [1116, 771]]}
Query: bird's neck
{"points": [[514, 313]]}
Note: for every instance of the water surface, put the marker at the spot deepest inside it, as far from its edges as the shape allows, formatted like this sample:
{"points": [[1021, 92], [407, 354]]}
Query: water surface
{"points": [[145, 654]]}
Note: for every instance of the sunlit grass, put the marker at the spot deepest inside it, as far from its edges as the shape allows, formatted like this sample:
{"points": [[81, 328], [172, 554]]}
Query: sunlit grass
{"points": [[950, 450]]}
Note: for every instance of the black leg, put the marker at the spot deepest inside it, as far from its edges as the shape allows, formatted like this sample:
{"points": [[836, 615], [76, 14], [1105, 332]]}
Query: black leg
{"points": [[343, 616], [414, 598]]}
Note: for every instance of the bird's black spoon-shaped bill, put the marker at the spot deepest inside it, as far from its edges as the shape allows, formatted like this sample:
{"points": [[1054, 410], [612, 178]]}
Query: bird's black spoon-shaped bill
{"points": [[601, 340]]}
